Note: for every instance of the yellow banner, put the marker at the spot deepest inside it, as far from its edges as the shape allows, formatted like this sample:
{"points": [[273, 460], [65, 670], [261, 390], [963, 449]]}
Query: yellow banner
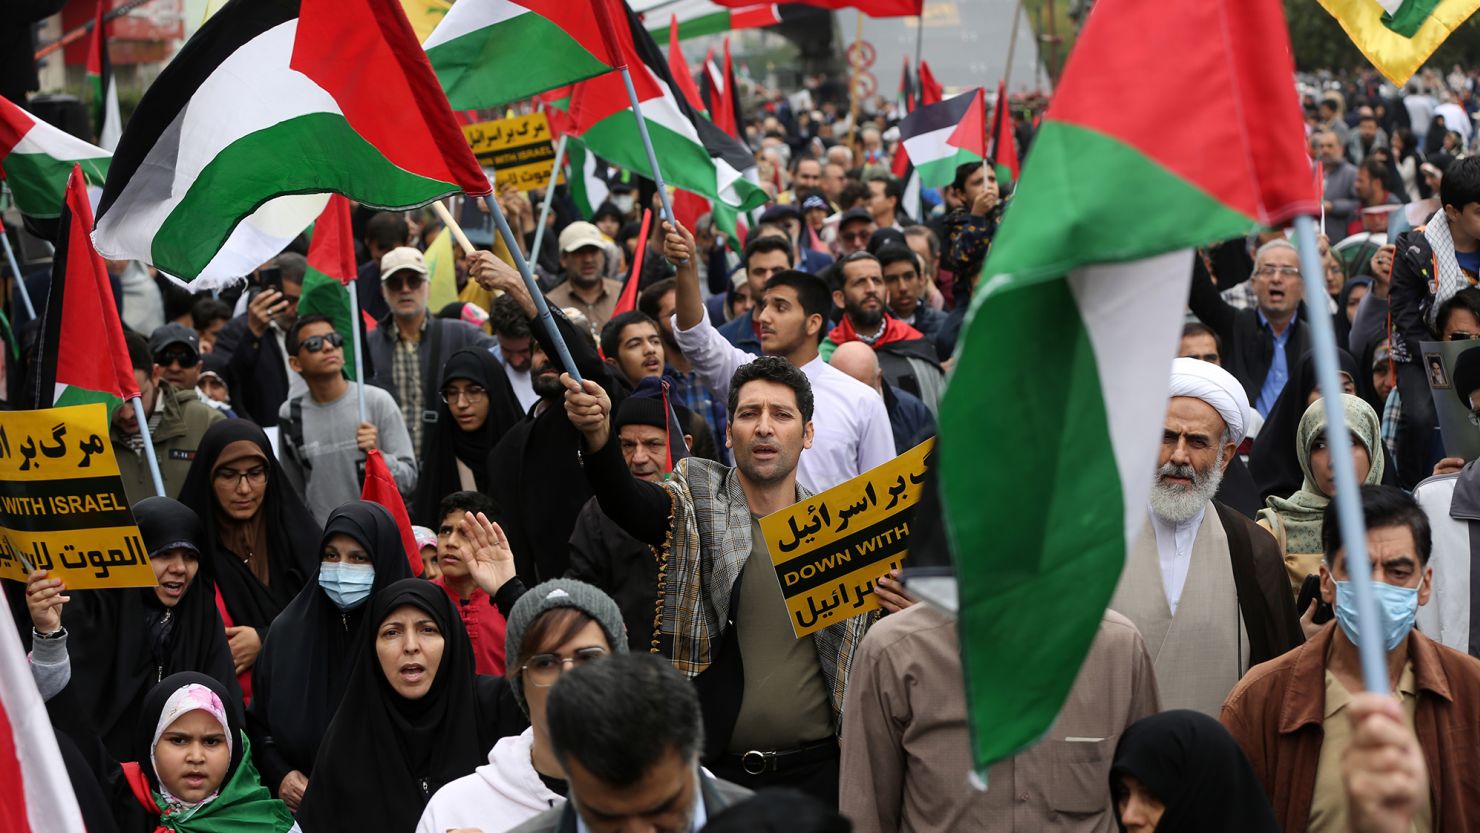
{"points": [[62, 505], [519, 150], [829, 549]]}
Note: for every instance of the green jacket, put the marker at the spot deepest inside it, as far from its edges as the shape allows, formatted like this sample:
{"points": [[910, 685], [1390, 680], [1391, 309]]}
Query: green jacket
{"points": [[183, 423]]}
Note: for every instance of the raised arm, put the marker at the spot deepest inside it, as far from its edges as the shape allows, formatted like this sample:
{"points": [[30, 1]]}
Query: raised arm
{"points": [[639, 507]]}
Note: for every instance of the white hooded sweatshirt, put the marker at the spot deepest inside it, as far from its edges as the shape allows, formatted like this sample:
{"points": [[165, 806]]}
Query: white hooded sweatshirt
{"points": [[503, 794]]}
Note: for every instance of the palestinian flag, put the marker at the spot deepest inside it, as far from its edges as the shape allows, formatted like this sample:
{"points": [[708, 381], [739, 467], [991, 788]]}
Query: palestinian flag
{"points": [[931, 92], [1097, 249], [908, 97], [695, 155], [491, 52], [1397, 36], [1003, 151], [104, 90], [940, 137], [697, 18], [585, 177], [331, 275], [272, 105], [35, 792], [35, 159], [872, 8], [721, 99], [82, 357], [678, 67]]}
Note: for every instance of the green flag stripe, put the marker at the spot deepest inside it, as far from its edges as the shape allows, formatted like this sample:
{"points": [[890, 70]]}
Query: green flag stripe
{"points": [[1089, 198], [38, 181], [323, 295], [491, 65], [940, 172], [235, 184], [1410, 17], [686, 164]]}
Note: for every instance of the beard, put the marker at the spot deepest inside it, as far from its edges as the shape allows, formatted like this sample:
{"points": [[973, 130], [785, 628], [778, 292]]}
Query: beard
{"points": [[864, 319], [1176, 503], [546, 385]]}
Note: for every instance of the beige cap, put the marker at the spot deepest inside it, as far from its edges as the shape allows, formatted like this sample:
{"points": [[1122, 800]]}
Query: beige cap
{"points": [[402, 258], [580, 234]]}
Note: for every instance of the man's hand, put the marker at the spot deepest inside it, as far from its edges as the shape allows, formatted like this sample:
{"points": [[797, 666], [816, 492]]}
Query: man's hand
{"points": [[492, 561], [1308, 624], [1449, 465], [678, 244], [44, 599], [263, 308], [589, 410], [985, 201], [367, 437], [1381, 266], [890, 593], [494, 275], [1382, 768], [291, 790], [245, 645]]}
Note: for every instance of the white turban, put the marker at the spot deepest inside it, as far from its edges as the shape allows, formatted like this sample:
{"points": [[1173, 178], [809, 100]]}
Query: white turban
{"points": [[1215, 386]]}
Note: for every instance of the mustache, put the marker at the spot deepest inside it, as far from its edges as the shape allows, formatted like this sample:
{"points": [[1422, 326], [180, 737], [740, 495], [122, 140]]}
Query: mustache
{"points": [[1187, 471]]}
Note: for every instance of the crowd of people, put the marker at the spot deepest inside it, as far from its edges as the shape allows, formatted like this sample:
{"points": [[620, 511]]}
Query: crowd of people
{"points": [[597, 639]]}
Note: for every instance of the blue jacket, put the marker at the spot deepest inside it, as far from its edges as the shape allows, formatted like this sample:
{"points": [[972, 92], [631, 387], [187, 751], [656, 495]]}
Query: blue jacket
{"points": [[908, 418]]}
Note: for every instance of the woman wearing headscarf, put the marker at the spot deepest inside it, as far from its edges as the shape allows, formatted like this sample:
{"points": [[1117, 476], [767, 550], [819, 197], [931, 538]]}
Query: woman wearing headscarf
{"points": [[559, 621], [1273, 461], [1181, 772], [190, 769], [1351, 295], [120, 642], [413, 718], [260, 536], [300, 674], [478, 406], [1295, 521]]}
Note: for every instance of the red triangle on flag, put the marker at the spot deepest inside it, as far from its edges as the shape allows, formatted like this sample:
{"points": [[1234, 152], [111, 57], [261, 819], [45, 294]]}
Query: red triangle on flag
{"points": [[332, 249], [682, 76], [971, 132], [380, 488]]}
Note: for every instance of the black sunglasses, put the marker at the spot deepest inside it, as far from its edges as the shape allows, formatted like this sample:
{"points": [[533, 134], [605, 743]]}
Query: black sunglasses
{"points": [[412, 282], [315, 344], [184, 358]]}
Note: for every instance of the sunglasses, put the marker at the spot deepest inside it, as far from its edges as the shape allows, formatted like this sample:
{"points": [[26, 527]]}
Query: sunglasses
{"points": [[412, 282], [1461, 335], [315, 344], [186, 359]]}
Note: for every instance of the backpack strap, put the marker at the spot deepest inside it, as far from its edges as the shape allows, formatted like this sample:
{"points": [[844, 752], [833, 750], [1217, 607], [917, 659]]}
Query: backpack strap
{"points": [[292, 429]]}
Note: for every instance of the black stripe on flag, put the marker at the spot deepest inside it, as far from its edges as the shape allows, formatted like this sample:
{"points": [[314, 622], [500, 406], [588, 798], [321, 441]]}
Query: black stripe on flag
{"points": [[930, 118], [228, 30]]}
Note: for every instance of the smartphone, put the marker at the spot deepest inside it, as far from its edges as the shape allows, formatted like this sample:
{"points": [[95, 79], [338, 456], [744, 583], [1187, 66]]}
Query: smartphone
{"points": [[271, 277]]}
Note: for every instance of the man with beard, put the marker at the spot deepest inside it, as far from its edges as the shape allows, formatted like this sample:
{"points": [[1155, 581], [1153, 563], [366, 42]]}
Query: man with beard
{"points": [[1207, 589], [535, 470], [906, 356], [515, 347]]}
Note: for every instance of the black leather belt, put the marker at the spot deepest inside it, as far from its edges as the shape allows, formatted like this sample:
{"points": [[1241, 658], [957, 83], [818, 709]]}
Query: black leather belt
{"points": [[756, 762]]}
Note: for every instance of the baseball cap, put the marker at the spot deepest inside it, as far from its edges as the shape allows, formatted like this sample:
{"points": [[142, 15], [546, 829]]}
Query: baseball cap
{"points": [[579, 235], [402, 258], [855, 214], [171, 334], [777, 213]]}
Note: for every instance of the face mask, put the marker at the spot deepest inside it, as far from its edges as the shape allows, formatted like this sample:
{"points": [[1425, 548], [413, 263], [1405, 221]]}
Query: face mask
{"points": [[624, 203], [347, 585], [1396, 607]]}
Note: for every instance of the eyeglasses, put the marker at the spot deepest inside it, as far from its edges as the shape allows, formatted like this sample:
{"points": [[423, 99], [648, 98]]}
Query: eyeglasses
{"points": [[1210, 358], [315, 344], [1287, 271], [412, 282], [471, 395], [544, 669], [855, 236], [184, 358], [254, 476], [1461, 335]]}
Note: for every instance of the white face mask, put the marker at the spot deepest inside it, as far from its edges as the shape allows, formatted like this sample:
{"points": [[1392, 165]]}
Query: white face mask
{"points": [[624, 203]]}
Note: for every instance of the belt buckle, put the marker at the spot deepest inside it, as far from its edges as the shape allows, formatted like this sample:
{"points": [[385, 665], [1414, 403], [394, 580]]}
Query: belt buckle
{"points": [[755, 762]]}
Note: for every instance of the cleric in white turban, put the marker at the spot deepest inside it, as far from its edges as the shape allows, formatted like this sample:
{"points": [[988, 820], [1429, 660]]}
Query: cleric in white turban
{"points": [[1205, 585]]}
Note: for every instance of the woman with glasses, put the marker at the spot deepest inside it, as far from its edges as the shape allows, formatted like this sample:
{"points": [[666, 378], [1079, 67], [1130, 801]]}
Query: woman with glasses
{"points": [[476, 407], [559, 625], [260, 538], [300, 674]]}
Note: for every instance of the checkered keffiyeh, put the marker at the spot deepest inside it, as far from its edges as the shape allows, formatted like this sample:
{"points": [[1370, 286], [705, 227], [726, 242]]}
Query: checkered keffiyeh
{"points": [[708, 544]]}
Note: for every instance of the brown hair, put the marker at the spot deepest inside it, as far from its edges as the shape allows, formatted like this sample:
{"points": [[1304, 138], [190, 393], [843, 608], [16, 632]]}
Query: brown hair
{"points": [[548, 631]]}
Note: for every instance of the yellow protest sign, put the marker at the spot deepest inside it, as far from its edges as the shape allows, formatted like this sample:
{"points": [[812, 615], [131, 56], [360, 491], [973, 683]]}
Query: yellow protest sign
{"points": [[829, 549], [62, 506], [518, 149]]}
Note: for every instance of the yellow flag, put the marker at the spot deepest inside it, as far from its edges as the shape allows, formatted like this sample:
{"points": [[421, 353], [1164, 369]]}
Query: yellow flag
{"points": [[425, 15], [441, 272], [1396, 55]]}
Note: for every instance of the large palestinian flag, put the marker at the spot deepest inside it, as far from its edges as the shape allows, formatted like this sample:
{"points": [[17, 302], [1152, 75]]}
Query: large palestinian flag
{"points": [[694, 154], [490, 52], [36, 158], [272, 105], [942, 136], [1091, 267], [82, 357]]}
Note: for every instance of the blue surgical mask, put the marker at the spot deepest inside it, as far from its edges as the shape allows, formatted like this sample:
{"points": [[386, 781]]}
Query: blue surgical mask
{"points": [[1396, 607], [347, 585]]}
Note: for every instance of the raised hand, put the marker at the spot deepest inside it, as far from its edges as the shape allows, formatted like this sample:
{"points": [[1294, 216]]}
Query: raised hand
{"points": [[486, 552]]}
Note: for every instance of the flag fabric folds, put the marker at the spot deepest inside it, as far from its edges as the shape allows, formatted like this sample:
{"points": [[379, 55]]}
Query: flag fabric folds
{"points": [[931, 92], [1003, 149], [107, 123], [679, 66], [380, 488], [697, 18], [81, 356], [330, 275], [1397, 36], [1097, 247], [721, 99], [233, 149], [940, 137], [36, 159]]}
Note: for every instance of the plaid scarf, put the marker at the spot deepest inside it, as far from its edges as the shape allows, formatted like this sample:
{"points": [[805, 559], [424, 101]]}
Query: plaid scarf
{"points": [[708, 544], [1448, 278]]}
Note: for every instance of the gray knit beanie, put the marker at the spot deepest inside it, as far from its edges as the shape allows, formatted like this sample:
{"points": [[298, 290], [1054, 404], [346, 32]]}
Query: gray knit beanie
{"points": [[550, 595]]}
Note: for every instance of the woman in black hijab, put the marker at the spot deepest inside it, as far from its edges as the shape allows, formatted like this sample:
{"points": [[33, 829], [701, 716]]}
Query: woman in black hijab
{"points": [[1181, 772], [260, 537], [478, 406], [414, 717], [122, 641], [300, 674]]}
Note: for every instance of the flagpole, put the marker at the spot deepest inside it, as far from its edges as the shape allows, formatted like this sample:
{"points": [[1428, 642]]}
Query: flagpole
{"points": [[15, 270], [546, 319], [1017, 15], [354, 329], [539, 232], [1348, 497], [148, 444]]}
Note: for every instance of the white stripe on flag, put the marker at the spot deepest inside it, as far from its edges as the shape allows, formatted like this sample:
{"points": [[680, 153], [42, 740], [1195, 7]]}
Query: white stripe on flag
{"points": [[467, 16], [51, 805]]}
